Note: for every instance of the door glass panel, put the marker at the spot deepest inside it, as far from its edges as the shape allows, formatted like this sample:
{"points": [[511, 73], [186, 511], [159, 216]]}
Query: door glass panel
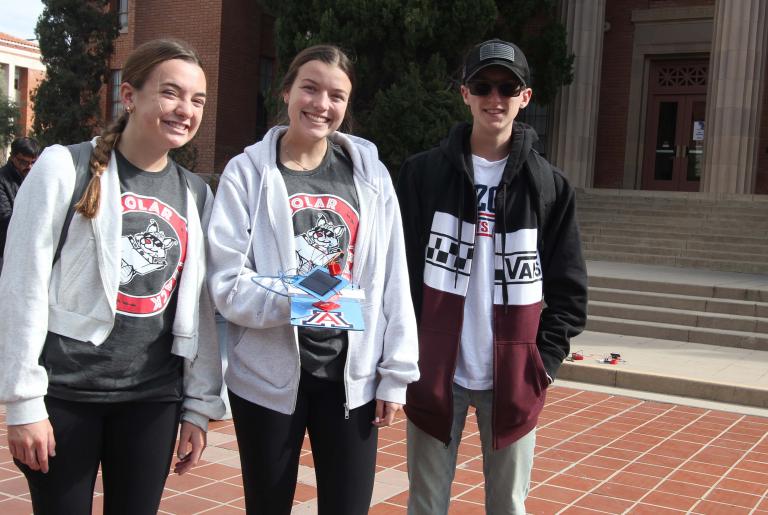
{"points": [[665, 141], [695, 151]]}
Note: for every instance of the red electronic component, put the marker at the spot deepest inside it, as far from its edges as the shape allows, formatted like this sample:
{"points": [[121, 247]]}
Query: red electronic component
{"points": [[326, 305], [334, 268], [577, 356]]}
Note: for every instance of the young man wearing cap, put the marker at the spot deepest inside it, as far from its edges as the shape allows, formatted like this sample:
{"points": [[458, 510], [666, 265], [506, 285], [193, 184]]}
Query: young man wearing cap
{"points": [[491, 232]]}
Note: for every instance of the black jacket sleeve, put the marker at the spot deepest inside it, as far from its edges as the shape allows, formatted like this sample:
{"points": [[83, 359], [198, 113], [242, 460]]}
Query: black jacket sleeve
{"points": [[565, 279], [6, 207], [408, 194]]}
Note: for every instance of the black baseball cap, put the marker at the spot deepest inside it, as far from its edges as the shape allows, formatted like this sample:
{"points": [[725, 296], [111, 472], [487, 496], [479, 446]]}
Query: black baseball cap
{"points": [[496, 52]]}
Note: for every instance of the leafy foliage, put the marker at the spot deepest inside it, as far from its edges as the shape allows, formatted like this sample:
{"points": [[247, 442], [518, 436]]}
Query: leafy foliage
{"points": [[76, 39], [9, 117], [408, 56]]}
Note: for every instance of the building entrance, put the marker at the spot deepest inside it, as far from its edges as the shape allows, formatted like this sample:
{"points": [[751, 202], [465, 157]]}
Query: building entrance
{"points": [[675, 125]]}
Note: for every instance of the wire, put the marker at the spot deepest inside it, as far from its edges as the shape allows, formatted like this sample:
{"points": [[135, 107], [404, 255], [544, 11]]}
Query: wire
{"points": [[285, 279]]}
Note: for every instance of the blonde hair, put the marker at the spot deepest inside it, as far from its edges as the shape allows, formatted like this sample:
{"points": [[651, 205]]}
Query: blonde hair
{"points": [[138, 67]]}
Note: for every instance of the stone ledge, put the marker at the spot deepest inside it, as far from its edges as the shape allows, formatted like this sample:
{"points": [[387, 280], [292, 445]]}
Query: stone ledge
{"points": [[613, 375]]}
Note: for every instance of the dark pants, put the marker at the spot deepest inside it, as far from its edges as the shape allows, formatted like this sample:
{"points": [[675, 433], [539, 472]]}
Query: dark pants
{"points": [[344, 450], [133, 442]]}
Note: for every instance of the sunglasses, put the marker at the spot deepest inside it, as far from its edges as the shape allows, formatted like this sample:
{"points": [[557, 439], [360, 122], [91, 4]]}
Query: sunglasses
{"points": [[482, 88]]}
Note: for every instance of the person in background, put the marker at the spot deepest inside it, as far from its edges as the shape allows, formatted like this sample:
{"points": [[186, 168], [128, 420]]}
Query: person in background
{"points": [[24, 152], [109, 343]]}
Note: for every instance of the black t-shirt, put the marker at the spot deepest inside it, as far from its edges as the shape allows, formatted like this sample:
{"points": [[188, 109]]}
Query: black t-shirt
{"points": [[135, 361], [325, 213]]}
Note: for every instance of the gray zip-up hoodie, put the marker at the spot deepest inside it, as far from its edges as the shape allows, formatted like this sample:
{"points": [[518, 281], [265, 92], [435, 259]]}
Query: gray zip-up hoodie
{"points": [[251, 237], [78, 297]]}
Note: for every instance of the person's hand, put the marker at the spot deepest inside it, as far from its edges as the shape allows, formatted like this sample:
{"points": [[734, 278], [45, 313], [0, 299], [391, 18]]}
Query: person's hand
{"points": [[385, 412], [32, 444], [192, 441]]}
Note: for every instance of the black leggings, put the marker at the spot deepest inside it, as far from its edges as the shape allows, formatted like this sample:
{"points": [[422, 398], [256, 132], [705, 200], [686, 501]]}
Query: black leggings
{"points": [[134, 443], [344, 450]]}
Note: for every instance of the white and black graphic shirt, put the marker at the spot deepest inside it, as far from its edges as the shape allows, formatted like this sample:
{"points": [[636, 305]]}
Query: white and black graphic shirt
{"points": [[474, 369], [135, 362], [325, 214]]}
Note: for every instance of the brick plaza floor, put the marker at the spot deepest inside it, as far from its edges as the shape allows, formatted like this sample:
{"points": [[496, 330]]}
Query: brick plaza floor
{"points": [[596, 453]]}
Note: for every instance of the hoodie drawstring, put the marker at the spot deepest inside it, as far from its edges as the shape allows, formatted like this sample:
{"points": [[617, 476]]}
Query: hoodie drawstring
{"points": [[252, 231], [461, 226], [504, 293]]}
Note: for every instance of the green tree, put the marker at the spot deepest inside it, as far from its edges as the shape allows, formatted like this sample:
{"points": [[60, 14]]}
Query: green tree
{"points": [[408, 56], [9, 125], [76, 39]]}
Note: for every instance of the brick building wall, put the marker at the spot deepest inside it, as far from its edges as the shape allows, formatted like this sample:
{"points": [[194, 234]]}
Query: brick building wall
{"points": [[614, 92], [198, 23], [28, 81], [246, 38], [230, 37], [615, 83], [20, 58]]}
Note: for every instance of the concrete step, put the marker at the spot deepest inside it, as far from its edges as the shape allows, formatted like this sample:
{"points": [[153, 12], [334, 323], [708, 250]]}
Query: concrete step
{"points": [[744, 235], [698, 225], [621, 206], [674, 197], [684, 317], [681, 333], [676, 214], [668, 248], [752, 202], [758, 247], [707, 264], [714, 285], [680, 338], [709, 372], [623, 202], [675, 301]]}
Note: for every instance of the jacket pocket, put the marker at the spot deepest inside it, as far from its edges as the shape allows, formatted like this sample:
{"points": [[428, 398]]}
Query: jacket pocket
{"points": [[268, 355], [80, 289], [73, 266], [520, 382]]}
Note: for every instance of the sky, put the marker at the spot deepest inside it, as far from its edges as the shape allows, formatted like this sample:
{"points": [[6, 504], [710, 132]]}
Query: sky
{"points": [[19, 17]]}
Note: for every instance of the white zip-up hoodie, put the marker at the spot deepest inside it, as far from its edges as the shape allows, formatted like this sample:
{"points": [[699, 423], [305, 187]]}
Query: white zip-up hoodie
{"points": [[78, 297], [251, 235]]}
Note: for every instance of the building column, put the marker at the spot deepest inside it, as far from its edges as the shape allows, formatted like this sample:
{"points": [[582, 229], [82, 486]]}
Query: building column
{"points": [[576, 106], [736, 82], [10, 89]]}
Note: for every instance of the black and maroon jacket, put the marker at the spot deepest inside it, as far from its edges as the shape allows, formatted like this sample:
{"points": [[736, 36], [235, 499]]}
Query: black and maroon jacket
{"points": [[538, 256]]}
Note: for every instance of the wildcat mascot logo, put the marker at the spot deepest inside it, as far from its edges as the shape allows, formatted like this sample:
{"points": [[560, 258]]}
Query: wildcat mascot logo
{"points": [[325, 240], [319, 245], [144, 252], [152, 257]]}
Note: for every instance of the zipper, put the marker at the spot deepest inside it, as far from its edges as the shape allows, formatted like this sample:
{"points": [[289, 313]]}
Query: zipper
{"points": [[365, 226], [346, 383]]}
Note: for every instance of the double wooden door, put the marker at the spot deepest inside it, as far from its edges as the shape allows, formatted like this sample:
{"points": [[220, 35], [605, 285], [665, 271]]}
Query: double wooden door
{"points": [[675, 126]]}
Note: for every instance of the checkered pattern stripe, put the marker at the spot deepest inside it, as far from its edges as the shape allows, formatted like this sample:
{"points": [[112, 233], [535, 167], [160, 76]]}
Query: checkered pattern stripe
{"points": [[448, 261], [447, 252]]}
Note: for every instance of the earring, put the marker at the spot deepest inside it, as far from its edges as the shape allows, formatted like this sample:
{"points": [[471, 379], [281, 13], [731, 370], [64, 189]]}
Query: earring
{"points": [[129, 109]]}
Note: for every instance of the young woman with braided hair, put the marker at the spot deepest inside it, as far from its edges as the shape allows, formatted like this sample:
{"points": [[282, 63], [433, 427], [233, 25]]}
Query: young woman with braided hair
{"points": [[99, 336]]}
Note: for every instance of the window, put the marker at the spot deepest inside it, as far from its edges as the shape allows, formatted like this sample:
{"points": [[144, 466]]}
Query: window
{"points": [[122, 14], [116, 106]]}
